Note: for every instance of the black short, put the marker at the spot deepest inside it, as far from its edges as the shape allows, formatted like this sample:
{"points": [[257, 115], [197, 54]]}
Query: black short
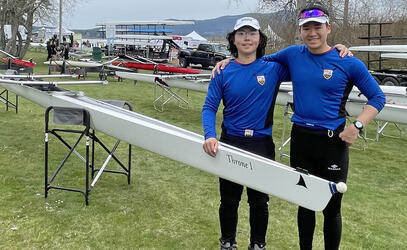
{"points": [[320, 152]]}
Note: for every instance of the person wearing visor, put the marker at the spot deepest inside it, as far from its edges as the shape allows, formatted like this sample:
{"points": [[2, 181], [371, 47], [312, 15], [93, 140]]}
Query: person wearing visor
{"points": [[248, 89], [320, 139], [313, 15]]}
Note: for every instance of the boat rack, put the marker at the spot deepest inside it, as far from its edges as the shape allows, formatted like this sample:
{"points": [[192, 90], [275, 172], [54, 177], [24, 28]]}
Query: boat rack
{"points": [[80, 72], [4, 98], [381, 125], [171, 91], [168, 87], [77, 116], [66, 69], [163, 94], [4, 95], [285, 136]]}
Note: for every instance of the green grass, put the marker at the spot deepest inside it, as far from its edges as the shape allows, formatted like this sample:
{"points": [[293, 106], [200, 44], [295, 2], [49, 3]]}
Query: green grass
{"points": [[169, 205]]}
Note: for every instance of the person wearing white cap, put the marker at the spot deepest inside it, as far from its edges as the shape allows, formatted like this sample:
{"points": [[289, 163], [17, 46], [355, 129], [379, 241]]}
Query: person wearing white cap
{"points": [[320, 138], [247, 21], [248, 89]]}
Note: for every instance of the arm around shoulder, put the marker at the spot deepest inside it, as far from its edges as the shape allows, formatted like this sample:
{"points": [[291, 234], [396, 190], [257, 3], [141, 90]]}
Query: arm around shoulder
{"points": [[219, 66], [282, 56]]}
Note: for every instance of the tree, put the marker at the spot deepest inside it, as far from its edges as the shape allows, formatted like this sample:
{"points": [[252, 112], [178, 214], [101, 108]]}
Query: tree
{"points": [[16, 14], [345, 16], [285, 23], [20, 16]]}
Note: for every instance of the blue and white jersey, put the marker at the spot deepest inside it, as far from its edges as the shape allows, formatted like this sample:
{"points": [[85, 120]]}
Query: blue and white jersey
{"points": [[322, 83], [248, 93]]}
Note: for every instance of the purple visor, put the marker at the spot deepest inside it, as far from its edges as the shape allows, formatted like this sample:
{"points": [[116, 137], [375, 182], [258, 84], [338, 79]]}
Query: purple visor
{"points": [[312, 13]]}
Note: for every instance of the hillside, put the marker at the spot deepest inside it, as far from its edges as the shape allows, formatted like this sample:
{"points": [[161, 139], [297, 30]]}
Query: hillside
{"points": [[217, 27]]}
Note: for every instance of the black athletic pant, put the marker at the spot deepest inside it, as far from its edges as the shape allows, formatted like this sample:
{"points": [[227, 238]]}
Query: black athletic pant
{"points": [[231, 193], [49, 53], [325, 155]]}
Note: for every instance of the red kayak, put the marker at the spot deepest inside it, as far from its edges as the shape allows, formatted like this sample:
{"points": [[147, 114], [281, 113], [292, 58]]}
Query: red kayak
{"points": [[19, 62], [158, 67]]}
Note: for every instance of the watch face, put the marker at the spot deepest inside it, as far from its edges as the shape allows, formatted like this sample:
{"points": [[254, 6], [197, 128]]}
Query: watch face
{"points": [[358, 124]]}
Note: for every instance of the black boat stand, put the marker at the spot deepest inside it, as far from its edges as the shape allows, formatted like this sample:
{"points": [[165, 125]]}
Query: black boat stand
{"points": [[4, 96], [75, 116], [7, 101]]}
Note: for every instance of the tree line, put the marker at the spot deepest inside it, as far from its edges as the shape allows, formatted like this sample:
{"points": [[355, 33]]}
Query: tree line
{"points": [[345, 17]]}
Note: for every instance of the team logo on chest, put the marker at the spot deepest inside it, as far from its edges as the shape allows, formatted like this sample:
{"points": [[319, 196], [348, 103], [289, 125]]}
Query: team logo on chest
{"points": [[261, 80], [328, 73]]}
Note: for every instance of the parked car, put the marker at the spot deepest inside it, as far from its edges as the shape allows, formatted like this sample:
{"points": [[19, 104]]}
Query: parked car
{"points": [[207, 54]]}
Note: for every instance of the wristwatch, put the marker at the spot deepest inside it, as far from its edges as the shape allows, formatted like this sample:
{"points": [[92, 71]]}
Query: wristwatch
{"points": [[358, 125]]}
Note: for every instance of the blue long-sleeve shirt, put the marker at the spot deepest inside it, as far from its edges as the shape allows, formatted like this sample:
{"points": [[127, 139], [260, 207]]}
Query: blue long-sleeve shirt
{"points": [[248, 93], [322, 83]]}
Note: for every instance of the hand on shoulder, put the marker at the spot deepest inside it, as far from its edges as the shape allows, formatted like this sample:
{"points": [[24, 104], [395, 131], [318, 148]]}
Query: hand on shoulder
{"points": [[219, 66]]}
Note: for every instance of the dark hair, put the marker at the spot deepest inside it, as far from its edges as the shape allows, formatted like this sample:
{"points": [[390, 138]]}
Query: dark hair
{"points": [[314, 5], [261, 49]]}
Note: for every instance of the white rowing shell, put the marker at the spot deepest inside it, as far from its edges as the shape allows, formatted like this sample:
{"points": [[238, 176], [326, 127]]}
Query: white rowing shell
{"points": [[75, 64], [380, 48], [179, 144]]}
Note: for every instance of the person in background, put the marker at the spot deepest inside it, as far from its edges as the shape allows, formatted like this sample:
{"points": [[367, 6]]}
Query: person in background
{"points": [[54, 45], [65, 45], [71, 40], [49, 49], [248, 88]]}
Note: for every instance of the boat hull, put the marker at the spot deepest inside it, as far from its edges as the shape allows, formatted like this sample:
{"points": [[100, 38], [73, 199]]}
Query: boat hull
{"points": [[184, 146], [380, 48], [157, 67], [71, 63], [19, 62]]}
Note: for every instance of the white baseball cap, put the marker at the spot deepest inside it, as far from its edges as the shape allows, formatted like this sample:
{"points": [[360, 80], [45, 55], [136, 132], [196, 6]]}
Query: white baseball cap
{"points": [[247, 21]]}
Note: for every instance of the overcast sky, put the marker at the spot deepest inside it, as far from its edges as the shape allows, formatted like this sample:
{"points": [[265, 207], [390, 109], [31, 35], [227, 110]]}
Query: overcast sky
{"points": [[90, 12]]}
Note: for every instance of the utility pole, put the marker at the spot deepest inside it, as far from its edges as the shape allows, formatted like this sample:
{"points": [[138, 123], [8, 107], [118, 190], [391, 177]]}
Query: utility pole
{"points": [[60, 20]]}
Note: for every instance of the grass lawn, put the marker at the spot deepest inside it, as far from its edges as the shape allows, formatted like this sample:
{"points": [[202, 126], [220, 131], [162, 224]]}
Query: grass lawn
{"points": [[169, 205]]}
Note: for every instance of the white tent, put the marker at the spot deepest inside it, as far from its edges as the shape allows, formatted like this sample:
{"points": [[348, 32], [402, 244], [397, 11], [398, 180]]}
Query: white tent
{"points": [[65, 31], [46, 33], [195, 36], [193, 39]]}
